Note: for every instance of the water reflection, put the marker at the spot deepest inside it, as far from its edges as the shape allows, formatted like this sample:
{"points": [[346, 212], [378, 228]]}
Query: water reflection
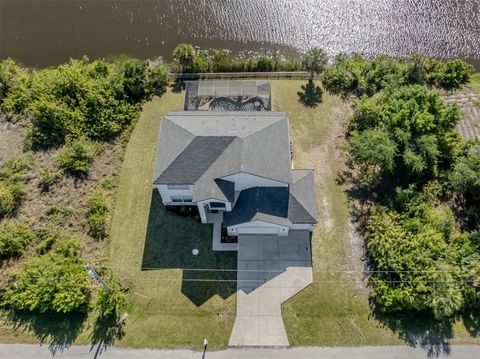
{"points": [[46, 32]]}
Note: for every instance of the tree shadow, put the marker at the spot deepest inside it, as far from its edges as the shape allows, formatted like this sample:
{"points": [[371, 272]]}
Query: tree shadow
{"points": [[420, 330], [178, 86], [310, 94], [471, 321], [169, 242], [105, 332], [59, 331]]}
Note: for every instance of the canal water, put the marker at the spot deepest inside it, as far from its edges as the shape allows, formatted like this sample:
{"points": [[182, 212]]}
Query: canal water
{"points": [[46, 32]]}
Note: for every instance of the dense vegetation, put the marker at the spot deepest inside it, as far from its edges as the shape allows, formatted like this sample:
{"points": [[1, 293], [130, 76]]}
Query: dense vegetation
{"points": [[97, 100], [72, 113], [359, 76], [191, 59], [420, 180]]}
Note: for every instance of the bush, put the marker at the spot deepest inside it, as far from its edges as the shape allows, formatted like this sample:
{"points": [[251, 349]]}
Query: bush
{"points": [[50, 283], [47, 177], [15, 167], [76, 157], [422, 261], [7, 200], [97, 210], [465, 176], [61, 213], [374, 153], [14, 237], [110, 303]]}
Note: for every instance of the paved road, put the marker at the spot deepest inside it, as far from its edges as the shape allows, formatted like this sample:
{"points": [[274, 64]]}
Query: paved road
{"points": [[23, 351]]}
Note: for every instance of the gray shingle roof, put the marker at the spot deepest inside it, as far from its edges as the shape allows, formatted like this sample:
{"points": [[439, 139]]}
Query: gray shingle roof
{"points": [[194, 160], [269, 204], [260, 147], [302, 206]]}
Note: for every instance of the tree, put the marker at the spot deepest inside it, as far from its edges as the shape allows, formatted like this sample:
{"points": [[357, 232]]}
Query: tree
{"points": [[420, 125], [315, 61], [465, 176], [373, 152], [454, 74], [310, 94], [184, 55]]}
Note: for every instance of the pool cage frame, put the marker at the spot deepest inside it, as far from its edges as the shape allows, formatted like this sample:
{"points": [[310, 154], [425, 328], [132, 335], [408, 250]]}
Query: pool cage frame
{"points": [[200, 93]]}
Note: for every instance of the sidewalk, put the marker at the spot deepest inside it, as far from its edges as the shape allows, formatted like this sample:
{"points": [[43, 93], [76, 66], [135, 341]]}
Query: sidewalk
{"points": [[24, 351]]}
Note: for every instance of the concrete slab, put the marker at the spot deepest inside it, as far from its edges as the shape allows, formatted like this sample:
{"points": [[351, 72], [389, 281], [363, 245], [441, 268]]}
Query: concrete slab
{"points": [[271, 269], [269, 301], [272, 331]]}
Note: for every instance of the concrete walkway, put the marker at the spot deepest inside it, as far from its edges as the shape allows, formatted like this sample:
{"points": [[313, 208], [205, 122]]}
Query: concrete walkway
{"points": [[271, 269], [24, 351]]}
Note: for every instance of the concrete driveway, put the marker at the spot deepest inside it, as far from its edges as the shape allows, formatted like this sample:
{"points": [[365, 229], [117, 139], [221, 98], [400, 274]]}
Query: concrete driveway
{"points": [[271, 269]]}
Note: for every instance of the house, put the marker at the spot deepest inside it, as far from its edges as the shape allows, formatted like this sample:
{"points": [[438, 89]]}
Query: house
{"points": [[235, 166]]}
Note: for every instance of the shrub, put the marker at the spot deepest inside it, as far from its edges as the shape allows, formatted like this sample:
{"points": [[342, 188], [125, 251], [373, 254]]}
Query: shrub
{"points": [[47, 177], [50, 283], [418, 125], [97, 210], [61, 213], [80, 98], [422, 261], [7, 200], [14, 237], [374, 153], [66, 247], [465, 176], [76, 157], [10, 75], [15, 167], [110, 303]]}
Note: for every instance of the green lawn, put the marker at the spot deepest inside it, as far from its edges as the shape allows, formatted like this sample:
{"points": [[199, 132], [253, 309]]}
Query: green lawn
{"points": [[150, 247], [168, 312]]}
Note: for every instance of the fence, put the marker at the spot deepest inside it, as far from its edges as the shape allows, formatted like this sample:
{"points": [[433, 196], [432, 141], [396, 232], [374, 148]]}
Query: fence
{"points": [[293, 75]]}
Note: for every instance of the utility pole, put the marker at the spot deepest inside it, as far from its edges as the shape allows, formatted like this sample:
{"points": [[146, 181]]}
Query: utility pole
{"points": [[205, 344], [92, 273]]}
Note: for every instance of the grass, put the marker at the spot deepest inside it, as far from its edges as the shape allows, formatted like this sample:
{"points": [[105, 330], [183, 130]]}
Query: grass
{"points": [[149, 246]]}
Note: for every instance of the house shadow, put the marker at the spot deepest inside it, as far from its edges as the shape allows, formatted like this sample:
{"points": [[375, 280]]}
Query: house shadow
{"points": [[169, 242], [59, 331]]}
